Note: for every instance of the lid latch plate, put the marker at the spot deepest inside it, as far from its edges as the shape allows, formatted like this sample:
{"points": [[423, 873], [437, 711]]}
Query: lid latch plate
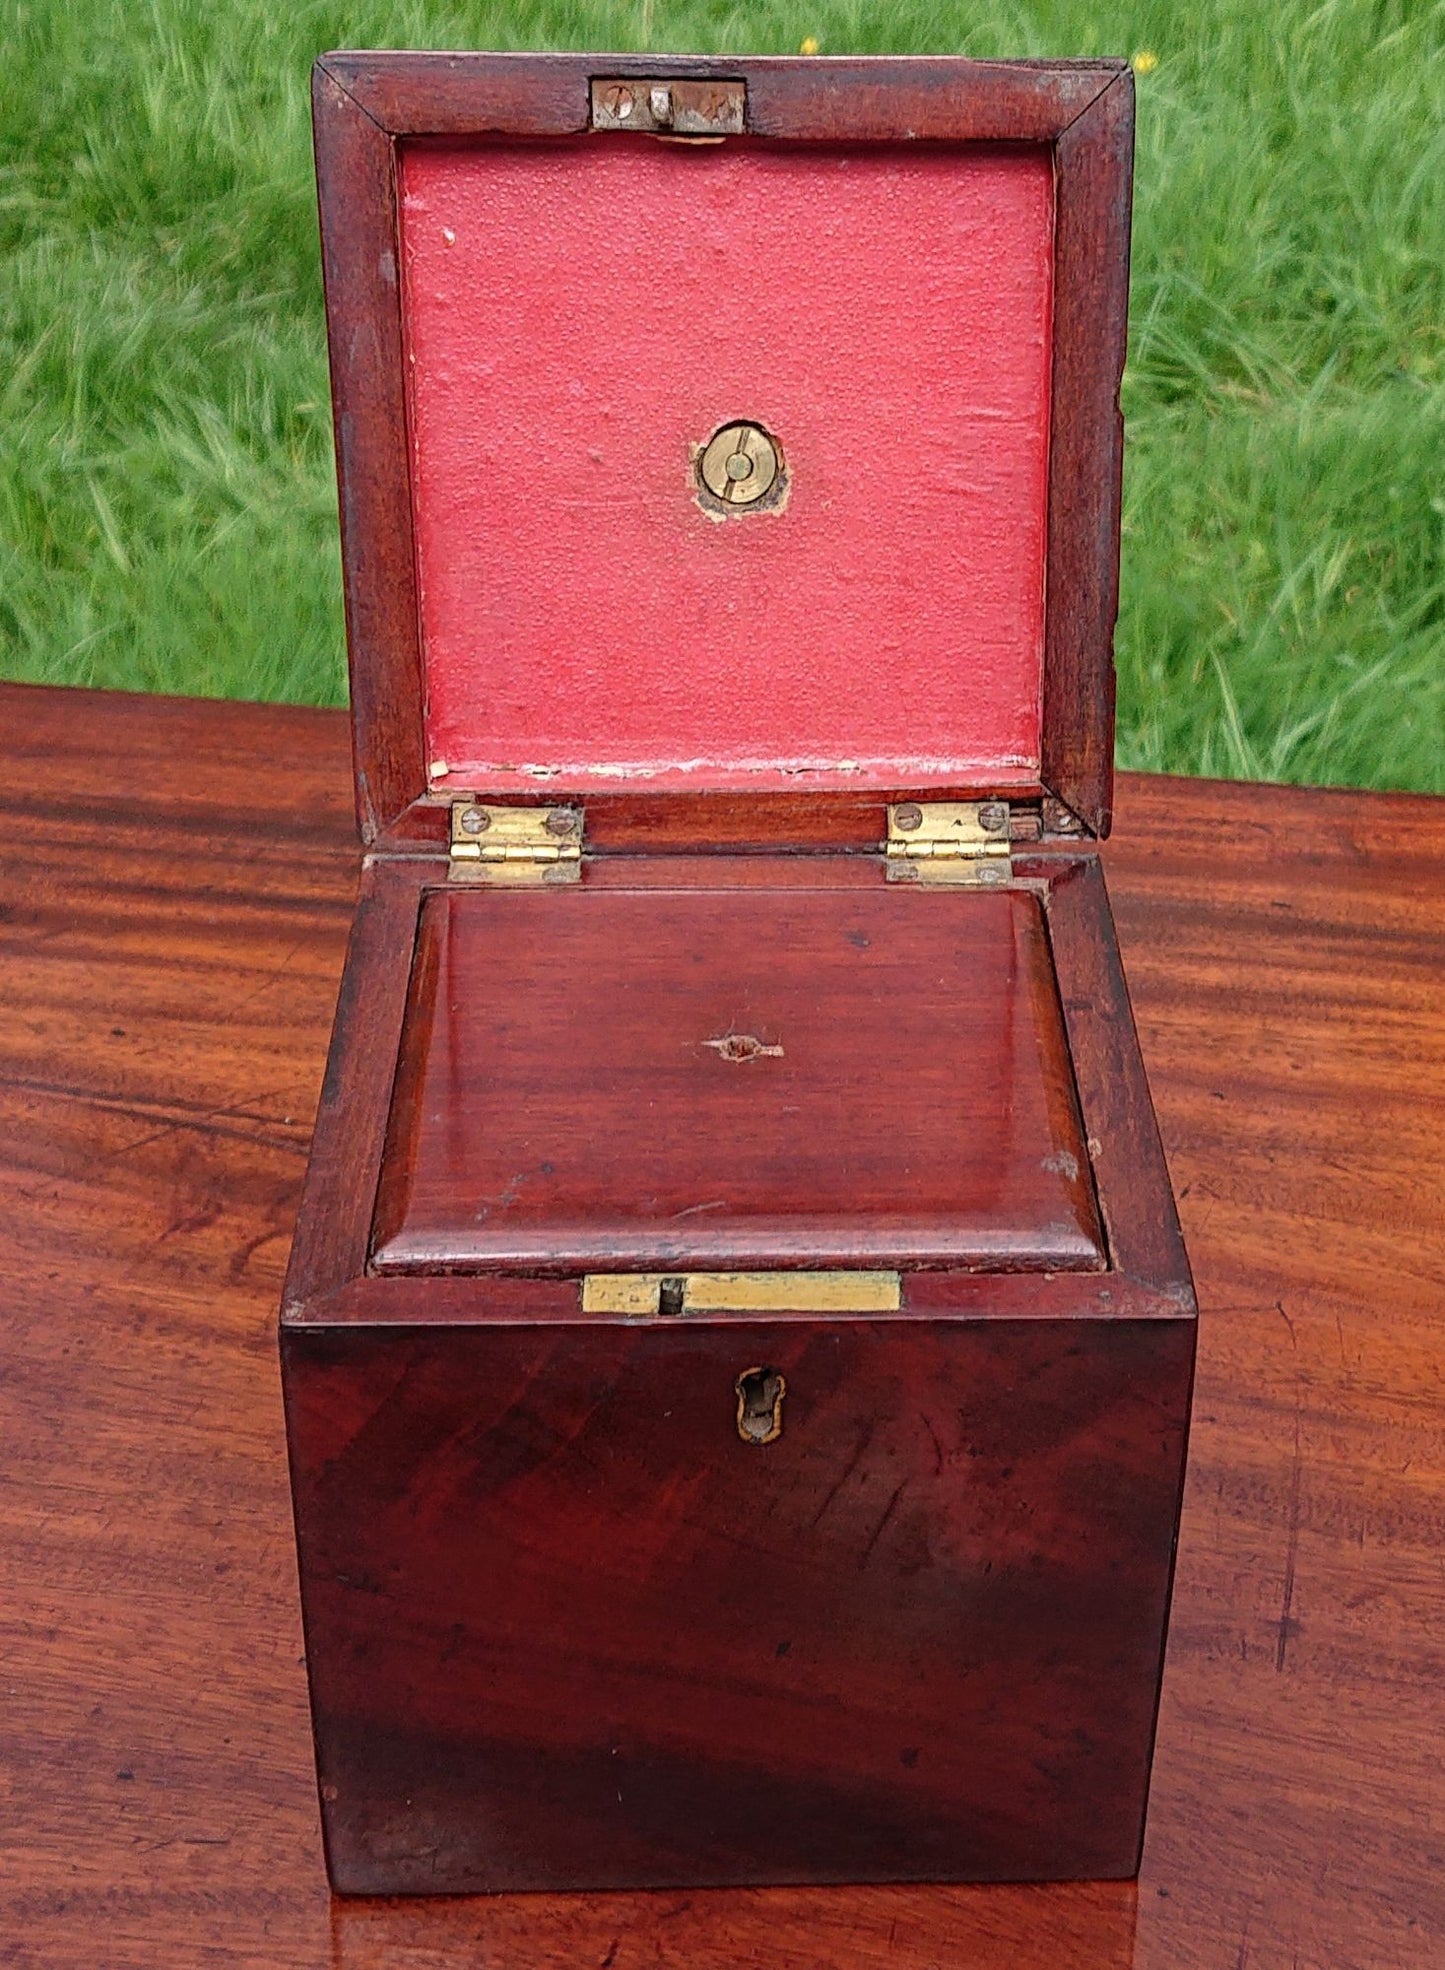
{"points": [[670, 105]]}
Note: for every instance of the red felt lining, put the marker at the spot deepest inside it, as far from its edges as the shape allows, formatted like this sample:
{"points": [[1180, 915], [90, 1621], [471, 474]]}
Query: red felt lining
{"points": [[579, 314]]}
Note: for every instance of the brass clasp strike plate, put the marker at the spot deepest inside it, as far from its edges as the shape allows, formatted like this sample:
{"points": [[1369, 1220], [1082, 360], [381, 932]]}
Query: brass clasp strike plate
{"points": [[643, 1295]]}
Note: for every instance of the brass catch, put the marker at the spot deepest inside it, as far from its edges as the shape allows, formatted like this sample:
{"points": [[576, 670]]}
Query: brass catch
{"points": [[643, 1295], [671, 106], [962, 842], [740, 465], [515, 845]]}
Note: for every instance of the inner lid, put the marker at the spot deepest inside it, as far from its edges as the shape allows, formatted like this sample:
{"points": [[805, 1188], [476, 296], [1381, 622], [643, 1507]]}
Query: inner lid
{"points": [[734, 1079], [869, 325]]}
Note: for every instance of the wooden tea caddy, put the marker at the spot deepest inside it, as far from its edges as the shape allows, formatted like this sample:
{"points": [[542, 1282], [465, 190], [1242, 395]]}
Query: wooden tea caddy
{"points": [[737, 1346]]}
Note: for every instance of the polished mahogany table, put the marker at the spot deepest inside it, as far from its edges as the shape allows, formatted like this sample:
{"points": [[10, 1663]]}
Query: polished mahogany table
{"points": [[175, 887]]}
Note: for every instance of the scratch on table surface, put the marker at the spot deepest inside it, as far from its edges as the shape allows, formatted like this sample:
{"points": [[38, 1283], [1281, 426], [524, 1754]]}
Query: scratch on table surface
{"points": [[273, 977], [243, 1254], [1287, 1625], [163, 1118]]}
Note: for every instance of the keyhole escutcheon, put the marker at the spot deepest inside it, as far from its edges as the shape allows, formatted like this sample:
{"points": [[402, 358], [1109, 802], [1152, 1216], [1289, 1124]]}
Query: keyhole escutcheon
{"points": [[760, 1393]]}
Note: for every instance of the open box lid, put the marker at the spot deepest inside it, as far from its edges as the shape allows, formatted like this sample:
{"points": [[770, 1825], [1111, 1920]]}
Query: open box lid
{"points": [[892, 291]]}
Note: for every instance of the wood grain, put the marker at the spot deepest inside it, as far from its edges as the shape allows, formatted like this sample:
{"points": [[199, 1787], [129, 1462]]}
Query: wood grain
{"points": [[565, 1630], [1093, 166], [360, 257], [564, 1100], [944, 98], [169, 952]]}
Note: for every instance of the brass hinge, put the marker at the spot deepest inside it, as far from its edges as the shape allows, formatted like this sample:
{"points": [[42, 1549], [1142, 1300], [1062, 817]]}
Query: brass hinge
{"points": [[670, 106], [963, 842], [639, 1295], [515, 845]]}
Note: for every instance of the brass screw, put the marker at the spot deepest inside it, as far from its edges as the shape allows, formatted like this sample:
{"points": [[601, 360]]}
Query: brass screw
{"points": [[561, 821], [993, 817], [907, 818], [475, 821], [991, 875], [618, 102]]}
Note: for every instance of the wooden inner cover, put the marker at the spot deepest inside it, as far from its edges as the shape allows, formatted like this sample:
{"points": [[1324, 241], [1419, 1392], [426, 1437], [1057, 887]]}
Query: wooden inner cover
{"points": [[734, 1078], [581, 315]]}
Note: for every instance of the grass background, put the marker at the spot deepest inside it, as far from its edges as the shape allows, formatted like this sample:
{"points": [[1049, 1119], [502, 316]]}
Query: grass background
{"points": [[167, 512]]}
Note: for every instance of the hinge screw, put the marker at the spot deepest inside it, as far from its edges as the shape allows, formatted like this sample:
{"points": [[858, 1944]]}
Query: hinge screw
{"points": [[908, 818], [561, 821], [618, 102], [993, 816], [475, 821]]}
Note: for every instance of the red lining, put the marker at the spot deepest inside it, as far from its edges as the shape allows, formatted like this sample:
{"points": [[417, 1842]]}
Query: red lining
{"points": [[578, 313]]}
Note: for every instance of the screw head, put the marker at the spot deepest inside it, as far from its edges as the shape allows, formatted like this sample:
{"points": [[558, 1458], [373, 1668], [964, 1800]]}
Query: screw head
{"points": [[990, 875], [993, 816], [475, 821], [908, 818], [561, 821], [618, 102]]}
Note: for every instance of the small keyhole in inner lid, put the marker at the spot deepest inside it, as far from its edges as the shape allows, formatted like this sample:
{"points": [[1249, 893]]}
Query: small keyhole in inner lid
{"points": [[739, 466]]}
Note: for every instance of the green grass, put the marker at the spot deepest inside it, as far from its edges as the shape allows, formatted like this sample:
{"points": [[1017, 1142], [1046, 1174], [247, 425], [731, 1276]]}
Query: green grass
{"points": [[167, 515]]}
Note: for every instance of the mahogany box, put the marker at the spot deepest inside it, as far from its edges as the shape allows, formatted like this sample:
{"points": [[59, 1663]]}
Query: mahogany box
{"points": [[737, 1345]]}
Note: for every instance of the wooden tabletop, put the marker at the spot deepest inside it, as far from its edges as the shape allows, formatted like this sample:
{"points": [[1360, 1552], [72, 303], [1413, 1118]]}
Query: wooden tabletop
{"points": [[175, 887]]}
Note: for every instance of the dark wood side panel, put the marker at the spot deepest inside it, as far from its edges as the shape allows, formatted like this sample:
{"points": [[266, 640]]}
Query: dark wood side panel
{"points": [[334, 1221], [355, 183], [1132, 1180], [565, 1630], [839, 99], [1094, 176]]}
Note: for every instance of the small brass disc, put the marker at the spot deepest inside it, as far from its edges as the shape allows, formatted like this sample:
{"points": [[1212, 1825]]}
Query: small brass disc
{"points": [[739, 465]]}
